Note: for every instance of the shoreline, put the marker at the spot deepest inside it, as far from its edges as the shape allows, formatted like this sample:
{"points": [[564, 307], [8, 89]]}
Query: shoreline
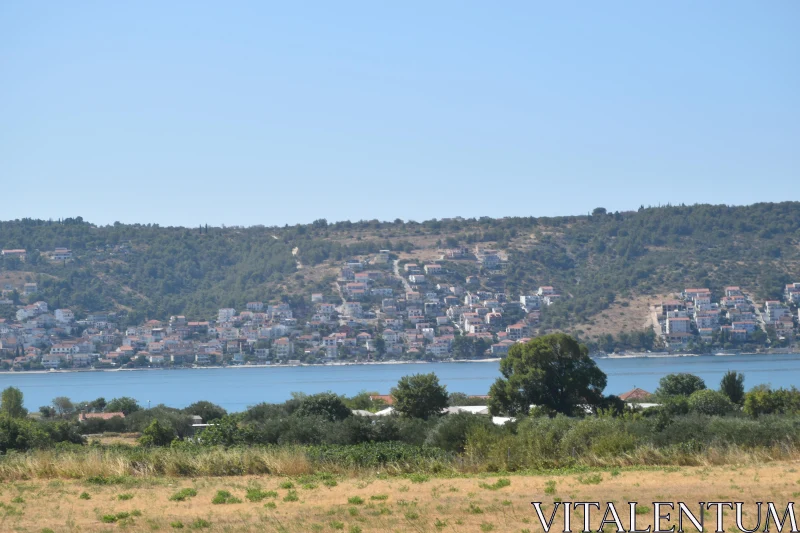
{"points": [[225, 367], [635, 355]]}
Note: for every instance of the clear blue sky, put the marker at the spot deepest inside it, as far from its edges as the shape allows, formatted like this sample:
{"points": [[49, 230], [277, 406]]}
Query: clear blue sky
{"points": [[247, 113]]}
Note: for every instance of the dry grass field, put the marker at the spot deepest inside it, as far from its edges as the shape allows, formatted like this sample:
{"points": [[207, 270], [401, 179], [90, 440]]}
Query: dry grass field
{"points": [[376, 504]]}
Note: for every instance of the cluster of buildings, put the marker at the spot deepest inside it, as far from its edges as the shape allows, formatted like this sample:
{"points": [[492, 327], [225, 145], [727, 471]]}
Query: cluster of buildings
{"points": [[735, 318], [379, 310]]}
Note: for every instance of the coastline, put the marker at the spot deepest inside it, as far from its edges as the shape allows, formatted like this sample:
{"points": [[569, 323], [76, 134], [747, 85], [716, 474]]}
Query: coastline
{"points": [[243, 367]]}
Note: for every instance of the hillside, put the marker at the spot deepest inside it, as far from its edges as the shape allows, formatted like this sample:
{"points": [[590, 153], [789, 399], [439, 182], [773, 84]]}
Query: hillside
{"points": [[594, 260]]}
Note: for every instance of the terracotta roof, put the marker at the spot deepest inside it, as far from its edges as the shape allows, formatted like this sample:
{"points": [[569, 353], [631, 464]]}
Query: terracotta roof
{"points": [[635, 394], [385, 397]]}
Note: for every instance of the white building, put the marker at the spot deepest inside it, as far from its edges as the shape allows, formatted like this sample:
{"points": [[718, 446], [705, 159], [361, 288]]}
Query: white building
{"points": [[64, 316], [225, 315]]}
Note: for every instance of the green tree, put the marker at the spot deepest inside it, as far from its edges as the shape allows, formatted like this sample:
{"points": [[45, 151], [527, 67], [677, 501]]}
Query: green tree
{"points": [[326, 404], [709, 402], [157, 434], [11, 403], [419, 396], [63, 406], [732, 385], [552, 371], [124, 405], [21, 434], [681, 384], [206, 410]]}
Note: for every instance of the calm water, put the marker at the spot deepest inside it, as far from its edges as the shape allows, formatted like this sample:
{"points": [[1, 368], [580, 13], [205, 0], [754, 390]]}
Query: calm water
{"points": [[236, 388]]}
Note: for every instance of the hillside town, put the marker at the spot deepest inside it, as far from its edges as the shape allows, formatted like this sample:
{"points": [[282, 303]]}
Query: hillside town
{"points": [[380, 308], [695, 318]]}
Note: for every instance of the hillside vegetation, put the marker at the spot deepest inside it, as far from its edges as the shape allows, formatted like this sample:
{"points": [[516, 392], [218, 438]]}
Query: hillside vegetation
{"points": [[595, 260]]}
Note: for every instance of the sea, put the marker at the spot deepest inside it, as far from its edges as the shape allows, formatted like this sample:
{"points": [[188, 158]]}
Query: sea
{"points": [[235, 388]]}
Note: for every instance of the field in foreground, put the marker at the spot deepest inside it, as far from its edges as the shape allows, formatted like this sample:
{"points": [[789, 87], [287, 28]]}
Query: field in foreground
{"points": [[375, 504]]}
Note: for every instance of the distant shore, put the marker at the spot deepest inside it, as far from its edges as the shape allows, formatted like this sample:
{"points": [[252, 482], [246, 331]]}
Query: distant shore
{"points": [[221, 367]]}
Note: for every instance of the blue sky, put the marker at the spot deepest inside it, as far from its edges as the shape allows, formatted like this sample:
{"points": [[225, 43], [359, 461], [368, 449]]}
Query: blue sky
{"points": [[245, 113]]}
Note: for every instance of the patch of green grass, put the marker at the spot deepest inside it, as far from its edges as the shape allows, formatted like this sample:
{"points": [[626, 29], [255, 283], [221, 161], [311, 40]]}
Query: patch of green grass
{"points": [[125, 496], [591, 479], [379, 497], [355, 500], [615, 472], [176, 524], [486, 526], [352, 511], [85, 496], [286, 485], [224, 497], [355, 529], [550, 487], [330, 483], [335, 524], [107, 480], [270, 505], [108, 519], [440, 524], [497, 485], [418, 478], [642, 509], [291, 496], [47, 530], [183, 495], [18, 499], [411, 515], [255, 494], [200, 524]]}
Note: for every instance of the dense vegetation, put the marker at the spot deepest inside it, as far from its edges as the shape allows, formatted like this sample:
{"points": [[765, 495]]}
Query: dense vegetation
{"points": [[690, 424], [595, 259]]}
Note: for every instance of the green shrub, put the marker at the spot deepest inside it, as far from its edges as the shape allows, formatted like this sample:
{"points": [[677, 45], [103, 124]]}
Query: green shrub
{"points": [[255, 494], [710, 402], [224, 497], [291, 496], [85, 496], [497, 485], [355, 500], [125, 496], [176, 525], [200, 524], [183, 495]]}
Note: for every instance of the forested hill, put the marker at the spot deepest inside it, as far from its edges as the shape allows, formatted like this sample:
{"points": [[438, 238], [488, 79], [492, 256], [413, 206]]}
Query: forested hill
{"points": [[154, 272]]}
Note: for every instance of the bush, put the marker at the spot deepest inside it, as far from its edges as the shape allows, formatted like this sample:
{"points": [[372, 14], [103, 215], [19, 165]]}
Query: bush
{"points": [[183, 495], [21, 434], [327, 405], [206, 410], [157, 434], [710, 402], [450, 433], [765, 401], [224, 497]]}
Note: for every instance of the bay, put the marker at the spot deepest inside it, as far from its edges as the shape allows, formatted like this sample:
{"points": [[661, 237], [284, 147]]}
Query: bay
{"points": [[236, 388]]}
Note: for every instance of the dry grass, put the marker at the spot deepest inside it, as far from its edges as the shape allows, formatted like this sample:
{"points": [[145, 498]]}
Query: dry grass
{"points": [[633, 316], [372, 504]]}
